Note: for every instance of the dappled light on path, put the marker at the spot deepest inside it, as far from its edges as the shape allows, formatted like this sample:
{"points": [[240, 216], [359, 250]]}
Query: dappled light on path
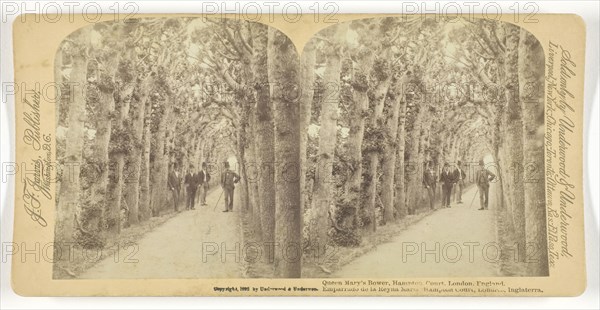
{"points": [[459, 241], [195, 244]]}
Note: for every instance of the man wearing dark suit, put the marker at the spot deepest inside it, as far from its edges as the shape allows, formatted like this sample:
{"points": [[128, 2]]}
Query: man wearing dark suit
{"points": [[483, 179], [203, 179], [447, 178], [429, 182], [174, 183], [228, 181], [191, 183], [460, 184]]}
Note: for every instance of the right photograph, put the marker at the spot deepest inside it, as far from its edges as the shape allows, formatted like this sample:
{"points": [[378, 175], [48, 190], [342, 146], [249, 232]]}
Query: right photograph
{"points": [[424, 152]]}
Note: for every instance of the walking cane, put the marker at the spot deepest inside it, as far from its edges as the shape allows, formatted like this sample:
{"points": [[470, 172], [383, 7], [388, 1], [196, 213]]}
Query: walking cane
{"points": [[476, 192], [218, 200]]}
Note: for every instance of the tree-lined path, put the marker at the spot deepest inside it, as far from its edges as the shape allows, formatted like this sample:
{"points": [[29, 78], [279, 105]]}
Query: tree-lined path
{"points": [[457, 227], [175, 249]]}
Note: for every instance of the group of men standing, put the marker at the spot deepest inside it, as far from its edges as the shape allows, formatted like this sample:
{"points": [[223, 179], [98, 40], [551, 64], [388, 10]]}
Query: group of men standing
{"points": [[453, 178], [193, 181], [197, 182]]}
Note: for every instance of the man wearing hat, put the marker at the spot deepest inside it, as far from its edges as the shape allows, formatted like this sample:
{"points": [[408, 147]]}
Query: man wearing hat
{"points": [[173, 181], [203, 179], [460, 183], [191, 182], [228, 180], [483, 179], [447, 178], [429, 182]]}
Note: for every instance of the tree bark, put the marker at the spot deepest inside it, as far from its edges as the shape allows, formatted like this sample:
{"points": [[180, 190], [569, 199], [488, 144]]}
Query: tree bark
{"points": [[358, 113], [531, 80], [137, 111], [308, 60], [391, 150], [117, 158], [284, 73], [146, 211], [323, 184], [423, 154], [264, 134], [70, 189], [241, 157], [383, 76], [119, 138], [514, 128], [414, 178], [252, 172], [400, 197], [101, 146], [160, 160]]}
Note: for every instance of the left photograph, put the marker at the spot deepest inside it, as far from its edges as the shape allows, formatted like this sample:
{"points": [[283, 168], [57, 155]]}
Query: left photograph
{"points": [[155, 117]]}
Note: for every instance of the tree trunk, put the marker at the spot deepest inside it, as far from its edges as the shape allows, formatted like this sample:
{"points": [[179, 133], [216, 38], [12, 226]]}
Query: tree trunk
{"points": [[454, 149], [514, 128], [264, 134], [253, 175], [391, 149], [117, 158], [70, 189], [118, 140], [531, 80], [419, 164], [501, 191], [284, 72], [160, 160], [358, 112], [134, 157], [400, 197], [308, 60], [241, 157], [383, 75], [146, 212], [60, 83], [413, 182], [101, 146], [199, 156], [323, 184]]}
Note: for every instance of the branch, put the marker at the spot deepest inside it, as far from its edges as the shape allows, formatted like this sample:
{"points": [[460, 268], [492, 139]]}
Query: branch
{"points": [[498, 50], [495, 35], [479, 74], [478, 40], [478, 36], [229, 114], [218, 102], [460, 60], [231, 39], [226, 46], [228, 56], [192, 56], [230, 81], [80, 226], [245, 44], [322, 39], [483, 56], [395, 37], [483, 77], [212, 65]]}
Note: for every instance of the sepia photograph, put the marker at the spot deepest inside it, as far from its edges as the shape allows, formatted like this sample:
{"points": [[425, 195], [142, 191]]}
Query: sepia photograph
{"points": [[385, 148]]}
